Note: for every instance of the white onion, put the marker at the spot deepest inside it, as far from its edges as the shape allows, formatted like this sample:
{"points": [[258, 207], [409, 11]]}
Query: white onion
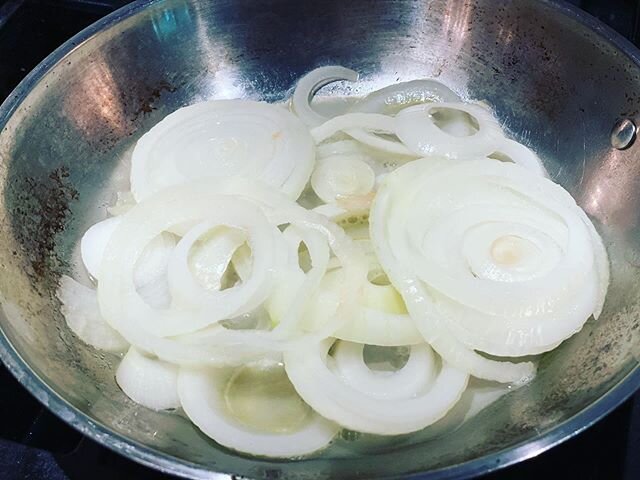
{"points": [[218, 305], [124, 202], [379, 316], [147, 220], [438, 236], [360, 126], [144, 326], [202, 397], [416, 376], [342, 176], [336, 400], [439, 227], [389, 99], [339, 147], [150, 269], [150, 382], [416, 128], [523, 156], [94, 242], [82, 314], [219, 139], [210, 257], [307, 87]]}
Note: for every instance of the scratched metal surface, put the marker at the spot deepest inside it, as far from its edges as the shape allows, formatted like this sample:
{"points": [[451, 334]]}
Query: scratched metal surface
{"points": [[556, 85]]}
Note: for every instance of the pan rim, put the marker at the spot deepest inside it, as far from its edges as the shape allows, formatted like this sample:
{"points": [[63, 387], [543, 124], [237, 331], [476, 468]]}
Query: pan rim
{"points": [[175, 466]]}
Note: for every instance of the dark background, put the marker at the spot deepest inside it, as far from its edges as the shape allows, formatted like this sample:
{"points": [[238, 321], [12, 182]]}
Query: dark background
{"points": [[36, 445]]}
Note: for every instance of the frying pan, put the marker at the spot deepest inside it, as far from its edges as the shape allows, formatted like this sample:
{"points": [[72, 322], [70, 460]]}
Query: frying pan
{"points": [[560, 81]]}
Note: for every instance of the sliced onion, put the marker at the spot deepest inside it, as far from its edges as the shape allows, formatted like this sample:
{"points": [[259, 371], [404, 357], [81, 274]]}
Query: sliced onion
{"points": [[242, 298], [376, 327], [360, 126], [145, 326], [210, 257], [336, 400], [521, 155], [82, 314], [370, 121], [150, 382], [124, 202], [220, 139], [313, 81], [416, 128], [144, 223], [339, 147], [389, 100], [422, 217], [381, 162], [379, 317], [342, 176], [150, 269], [202, 394], [94, 242], [416, 376]]}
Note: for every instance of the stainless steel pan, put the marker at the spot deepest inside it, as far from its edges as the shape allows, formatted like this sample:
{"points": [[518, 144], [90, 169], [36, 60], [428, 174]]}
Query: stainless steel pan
{"points": [[559, 79]]}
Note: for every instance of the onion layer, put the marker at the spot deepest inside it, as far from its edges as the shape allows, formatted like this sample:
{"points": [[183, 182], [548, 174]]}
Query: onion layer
{"points": [[417, 129], [82, 314], [255, 209], [203, 400], [151, 383], [220, 139], [389, 100], [313, 81], [335, 399], [489, 256]]}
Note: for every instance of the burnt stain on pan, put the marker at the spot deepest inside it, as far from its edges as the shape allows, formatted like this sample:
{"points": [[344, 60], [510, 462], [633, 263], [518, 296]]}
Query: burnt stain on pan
{"points": [[41, 212], [147, 101]]}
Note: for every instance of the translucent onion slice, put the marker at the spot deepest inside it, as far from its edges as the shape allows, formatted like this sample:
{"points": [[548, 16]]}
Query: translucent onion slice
{"points": [[333, 398], [150, 270], [94, 242], [223, 138], [341, 215], [379, 317], [416, 376], [389, 100], [290, 297], [150, 382], [360, 126], [416, 127], [248, 421], [145, 327], [510, 150], [313, 81], [82, 314], [124, 202], [381, 162], [499, 257], [261, 237], [197, 306], [339, 147], [209, 258], [340, 176]]}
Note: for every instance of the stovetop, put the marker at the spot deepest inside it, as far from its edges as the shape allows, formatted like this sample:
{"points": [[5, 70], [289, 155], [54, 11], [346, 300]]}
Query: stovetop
{"points": [[35, 444]]}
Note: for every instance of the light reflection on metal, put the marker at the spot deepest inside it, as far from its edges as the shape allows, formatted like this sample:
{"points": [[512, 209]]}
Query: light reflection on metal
{"points": [[96, 102], [610, 192], [224, 80], [169, 21], [456, 22]]}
